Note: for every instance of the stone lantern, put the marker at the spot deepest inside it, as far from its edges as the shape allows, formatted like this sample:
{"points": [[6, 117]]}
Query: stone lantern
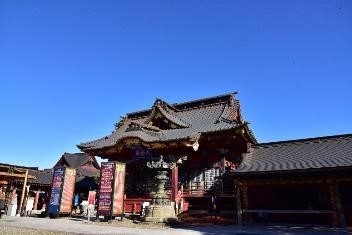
{"points": [[160, 210]]}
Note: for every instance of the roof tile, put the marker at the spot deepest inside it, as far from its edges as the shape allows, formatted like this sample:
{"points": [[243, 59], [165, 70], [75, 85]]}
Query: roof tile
{"points": [[314, 153]]}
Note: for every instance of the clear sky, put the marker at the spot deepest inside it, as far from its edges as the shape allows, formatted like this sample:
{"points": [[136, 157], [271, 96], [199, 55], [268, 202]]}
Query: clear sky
{"points": [[69, 69]]}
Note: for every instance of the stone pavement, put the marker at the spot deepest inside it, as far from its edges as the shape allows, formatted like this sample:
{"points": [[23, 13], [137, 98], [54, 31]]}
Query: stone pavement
{"points": [[73, 225]]}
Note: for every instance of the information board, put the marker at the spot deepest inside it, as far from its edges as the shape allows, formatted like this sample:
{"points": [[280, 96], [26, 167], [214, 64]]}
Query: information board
{"points": [[105, 190]]}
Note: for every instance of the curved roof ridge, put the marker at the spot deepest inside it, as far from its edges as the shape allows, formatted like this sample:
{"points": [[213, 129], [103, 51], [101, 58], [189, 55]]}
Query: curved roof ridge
{"points": [[230, 112], [168, 112], [186, 105], [205, 101]]}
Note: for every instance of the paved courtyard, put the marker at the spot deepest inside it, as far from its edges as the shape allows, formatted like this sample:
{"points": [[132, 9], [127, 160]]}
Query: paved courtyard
{"points": [[71, 226]]}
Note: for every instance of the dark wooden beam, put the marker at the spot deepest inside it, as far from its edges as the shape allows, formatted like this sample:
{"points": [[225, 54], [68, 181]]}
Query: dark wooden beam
{"points": [[239, 205], [247, 216], [338, 217]]}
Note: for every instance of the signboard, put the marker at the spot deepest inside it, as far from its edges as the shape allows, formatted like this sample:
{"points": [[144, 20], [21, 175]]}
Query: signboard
{"points": [[141, 152], [67, 191], [56, 188], [119, 186], [112, 188], [105, 190], [91, 197]]}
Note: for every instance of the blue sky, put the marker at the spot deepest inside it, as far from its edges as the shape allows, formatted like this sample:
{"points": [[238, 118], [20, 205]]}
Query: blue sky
{"points": [[69, 69]]}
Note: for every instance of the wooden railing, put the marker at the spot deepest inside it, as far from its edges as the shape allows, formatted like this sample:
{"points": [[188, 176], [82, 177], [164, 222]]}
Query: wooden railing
{"points": [[295, 216], [134, 205], [290, 211], [201, 189]]}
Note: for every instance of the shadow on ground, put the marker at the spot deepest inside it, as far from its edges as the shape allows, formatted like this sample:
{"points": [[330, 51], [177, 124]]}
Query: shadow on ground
{"points": [[212, 229]]}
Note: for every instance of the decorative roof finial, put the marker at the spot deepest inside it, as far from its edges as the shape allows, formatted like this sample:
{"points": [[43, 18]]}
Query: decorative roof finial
{"points": [[158, 100]]}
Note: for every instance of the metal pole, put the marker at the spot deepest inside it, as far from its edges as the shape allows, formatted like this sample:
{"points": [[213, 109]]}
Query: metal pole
{"points": [[88, 212], [23, 191]]}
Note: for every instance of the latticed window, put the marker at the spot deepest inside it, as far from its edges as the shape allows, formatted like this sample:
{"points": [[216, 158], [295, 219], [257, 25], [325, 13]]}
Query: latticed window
{"points": [[204, 179], [210, 176], [197, 180]]}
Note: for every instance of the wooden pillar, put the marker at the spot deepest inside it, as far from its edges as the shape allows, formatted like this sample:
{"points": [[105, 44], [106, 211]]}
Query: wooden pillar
{"points": [[239, 205], [247, 216], [23, 192], [45, 200], [36, 199], [336, 206], [223, 161]]}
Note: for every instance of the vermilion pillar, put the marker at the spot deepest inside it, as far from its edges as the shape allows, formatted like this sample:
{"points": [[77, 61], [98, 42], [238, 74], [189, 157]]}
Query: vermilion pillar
{"points": [[174, 183], [36, 199]]}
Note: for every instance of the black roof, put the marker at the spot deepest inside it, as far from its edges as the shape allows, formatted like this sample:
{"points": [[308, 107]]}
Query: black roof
{"points": [[76, 160], [314, 153], [189, 120], [21, 167], [42, 177]]}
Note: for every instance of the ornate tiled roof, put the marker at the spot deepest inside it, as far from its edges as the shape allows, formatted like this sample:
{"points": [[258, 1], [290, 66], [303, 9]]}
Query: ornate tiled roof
{"points": [[180, 121], [313, 153]]}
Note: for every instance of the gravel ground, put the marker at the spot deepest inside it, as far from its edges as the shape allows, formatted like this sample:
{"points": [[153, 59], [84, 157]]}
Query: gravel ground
{"points": [[24, 231], [74, 226]]}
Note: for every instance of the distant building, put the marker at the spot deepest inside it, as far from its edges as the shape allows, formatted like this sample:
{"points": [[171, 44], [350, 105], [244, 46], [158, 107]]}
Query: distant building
{"points": [[87, 169], [297, 181], [9, 173], [39, 182]]}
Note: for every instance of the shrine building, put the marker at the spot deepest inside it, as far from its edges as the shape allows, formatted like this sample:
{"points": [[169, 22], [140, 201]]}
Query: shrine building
{"points": [[220, 169]]}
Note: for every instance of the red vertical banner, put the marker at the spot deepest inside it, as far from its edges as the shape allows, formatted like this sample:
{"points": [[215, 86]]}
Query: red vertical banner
{"points": [[91, 197], [68, 190], [174, 183], [119, 188]]}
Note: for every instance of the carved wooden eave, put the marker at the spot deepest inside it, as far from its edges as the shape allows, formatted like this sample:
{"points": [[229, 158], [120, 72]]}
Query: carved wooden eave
{"points": [[16, 175], [134, 126], [187, 142], [247, 133], [127, 144]]}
